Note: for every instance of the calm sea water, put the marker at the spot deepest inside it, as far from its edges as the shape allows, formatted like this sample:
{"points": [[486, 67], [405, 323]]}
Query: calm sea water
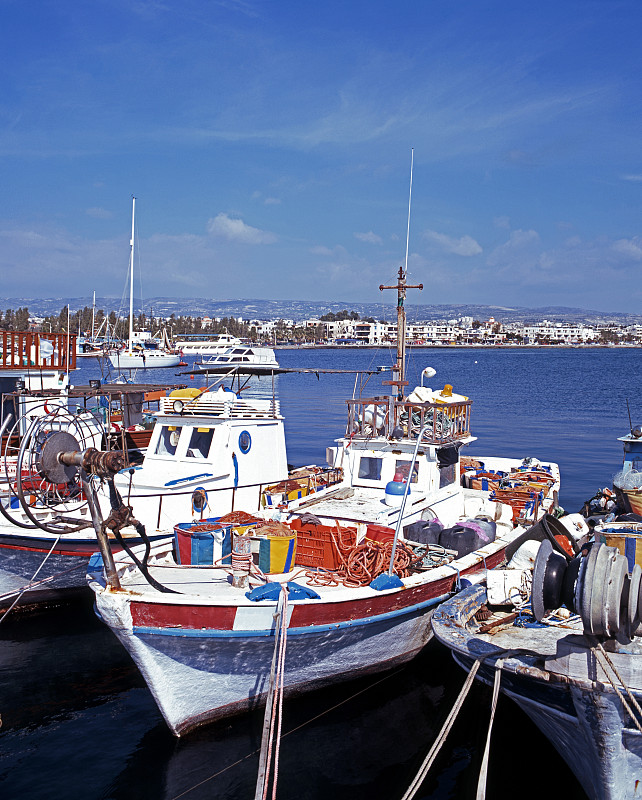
{"points": [[79, 722]]}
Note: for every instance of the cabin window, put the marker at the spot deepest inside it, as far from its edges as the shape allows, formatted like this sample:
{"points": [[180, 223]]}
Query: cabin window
{"points": [[168, 440], [370, 468], [199, 444], [403, 467]]}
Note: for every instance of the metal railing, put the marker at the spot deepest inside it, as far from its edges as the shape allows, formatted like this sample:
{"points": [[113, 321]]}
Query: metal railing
{"points": [[327, 477], [391, 418]]}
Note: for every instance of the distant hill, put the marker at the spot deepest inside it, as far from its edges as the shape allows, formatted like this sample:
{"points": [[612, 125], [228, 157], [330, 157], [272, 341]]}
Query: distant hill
{"points": [[305, 309]]}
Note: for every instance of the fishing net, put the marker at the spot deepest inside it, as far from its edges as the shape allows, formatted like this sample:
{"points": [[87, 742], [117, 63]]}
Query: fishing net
{"points": [[628, 480]]}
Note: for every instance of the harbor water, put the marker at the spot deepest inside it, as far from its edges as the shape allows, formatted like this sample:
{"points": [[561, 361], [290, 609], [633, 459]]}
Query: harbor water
{"points": [[79, 722]]}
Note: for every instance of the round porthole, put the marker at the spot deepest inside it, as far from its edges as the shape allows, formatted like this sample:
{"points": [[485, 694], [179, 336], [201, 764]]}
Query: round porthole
{"points": [[245, 441]]}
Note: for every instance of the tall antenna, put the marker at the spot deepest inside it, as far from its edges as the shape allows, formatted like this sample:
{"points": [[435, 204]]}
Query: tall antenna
{"points": [[412, 161], [399, 369]]}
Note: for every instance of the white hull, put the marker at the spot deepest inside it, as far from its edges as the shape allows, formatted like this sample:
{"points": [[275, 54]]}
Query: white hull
{"points": [[151, 360], [206, 650], [202, 677]]}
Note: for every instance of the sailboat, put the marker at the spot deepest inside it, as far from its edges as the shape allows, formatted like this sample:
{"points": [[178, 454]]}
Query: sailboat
{"points": [[139, 356]]}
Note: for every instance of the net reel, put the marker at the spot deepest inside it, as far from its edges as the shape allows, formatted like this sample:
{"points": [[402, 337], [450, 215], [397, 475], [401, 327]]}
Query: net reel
{"points": [[596, 584], [38, 491]]}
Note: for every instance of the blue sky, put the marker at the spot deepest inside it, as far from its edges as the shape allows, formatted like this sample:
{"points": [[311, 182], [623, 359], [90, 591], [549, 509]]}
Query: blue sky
{"points": [[268, 145]]}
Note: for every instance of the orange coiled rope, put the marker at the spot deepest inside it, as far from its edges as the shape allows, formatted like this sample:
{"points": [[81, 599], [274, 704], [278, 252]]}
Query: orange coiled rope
{"points": [[362, 563]]}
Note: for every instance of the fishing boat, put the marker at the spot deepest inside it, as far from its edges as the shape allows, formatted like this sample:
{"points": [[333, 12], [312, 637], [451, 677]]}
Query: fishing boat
{"points": [[323, 587], [138, 356], [628, 482], [205, 449], [571, 660]]}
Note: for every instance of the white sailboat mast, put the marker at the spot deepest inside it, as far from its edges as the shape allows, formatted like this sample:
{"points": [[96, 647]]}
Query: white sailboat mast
{"points": [[131, 278]]}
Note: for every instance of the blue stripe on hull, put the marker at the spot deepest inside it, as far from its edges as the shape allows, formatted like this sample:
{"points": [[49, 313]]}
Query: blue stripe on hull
{"points": [[209, 633]]}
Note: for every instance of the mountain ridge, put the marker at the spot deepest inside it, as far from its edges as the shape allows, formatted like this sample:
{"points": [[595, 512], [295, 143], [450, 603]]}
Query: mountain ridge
{"points": [[308, 309]]}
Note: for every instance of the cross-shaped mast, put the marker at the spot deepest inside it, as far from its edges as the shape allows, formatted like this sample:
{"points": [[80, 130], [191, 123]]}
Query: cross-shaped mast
{"points": [[398, 371]]}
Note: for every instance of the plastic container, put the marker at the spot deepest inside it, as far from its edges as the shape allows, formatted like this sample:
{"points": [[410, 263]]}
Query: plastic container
{"points": [[202, 543], [395, 490], [626, 537], [423, 531], [379, 533], [277, 553], [318, 545], [461, 538]]}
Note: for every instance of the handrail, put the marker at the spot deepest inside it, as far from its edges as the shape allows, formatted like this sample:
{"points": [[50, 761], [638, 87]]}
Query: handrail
{"points": [[22, 350], [234, 489], [382, 416]]}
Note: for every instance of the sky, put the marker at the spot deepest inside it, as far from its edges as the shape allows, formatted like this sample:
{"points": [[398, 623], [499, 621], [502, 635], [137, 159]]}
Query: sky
{"points": [[268, 144]]}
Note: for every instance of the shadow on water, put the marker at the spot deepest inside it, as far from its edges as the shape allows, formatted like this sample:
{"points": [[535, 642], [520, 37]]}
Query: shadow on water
{"points": [[78, 721]]}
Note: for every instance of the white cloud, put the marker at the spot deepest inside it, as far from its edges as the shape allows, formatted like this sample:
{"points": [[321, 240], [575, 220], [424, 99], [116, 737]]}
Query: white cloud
{"points": [[235, 230], [465, 246], [99, 213], [630, 248], [522, 247], [501, 222], [633, 178], [369, 238]]}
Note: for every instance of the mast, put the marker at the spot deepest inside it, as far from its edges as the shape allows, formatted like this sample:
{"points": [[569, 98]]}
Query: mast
{"points": [[131, 278], [399, 369], [93, 318]]}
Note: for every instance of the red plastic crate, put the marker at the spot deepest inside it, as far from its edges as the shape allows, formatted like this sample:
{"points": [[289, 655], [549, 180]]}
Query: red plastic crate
{"points": [[315, 544]]}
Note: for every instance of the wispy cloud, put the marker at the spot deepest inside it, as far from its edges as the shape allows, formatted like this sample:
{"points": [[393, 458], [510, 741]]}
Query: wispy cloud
{"points": [[464, 246], [235, 230], [99, 213], [369, 238]]}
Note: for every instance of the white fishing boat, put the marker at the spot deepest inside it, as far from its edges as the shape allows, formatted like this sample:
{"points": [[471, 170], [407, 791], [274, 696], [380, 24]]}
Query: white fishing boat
{"points": [[138, 356], [327, 586], [576, 668]]}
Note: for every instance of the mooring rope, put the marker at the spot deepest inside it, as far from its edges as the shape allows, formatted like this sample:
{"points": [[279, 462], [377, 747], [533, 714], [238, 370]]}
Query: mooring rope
{"points": [[501, 656], [270, 740], [603, 658], [30, 584], [443, 733]]}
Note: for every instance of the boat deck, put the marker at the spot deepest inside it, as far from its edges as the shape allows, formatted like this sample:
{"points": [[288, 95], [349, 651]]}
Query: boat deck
{"points": [[364, 505], [211, 585]]}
